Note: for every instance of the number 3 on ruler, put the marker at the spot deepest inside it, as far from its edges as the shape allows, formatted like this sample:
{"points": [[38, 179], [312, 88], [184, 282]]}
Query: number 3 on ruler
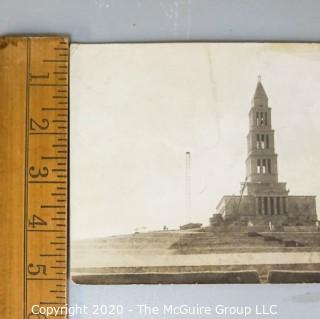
{"points": [[41, 172]]}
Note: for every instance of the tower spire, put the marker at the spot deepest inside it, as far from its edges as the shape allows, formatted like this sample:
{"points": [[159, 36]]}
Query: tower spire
{"points": [[260, 97]]}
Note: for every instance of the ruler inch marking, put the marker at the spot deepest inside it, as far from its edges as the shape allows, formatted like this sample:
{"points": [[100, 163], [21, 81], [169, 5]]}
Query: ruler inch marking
{"points": [[47, 182], [46, 133], [46, 279], [45, 230], [48, 84]]}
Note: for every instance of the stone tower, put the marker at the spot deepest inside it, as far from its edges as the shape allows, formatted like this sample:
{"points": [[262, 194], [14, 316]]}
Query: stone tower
{"points": [[261, 163], [263, 200]]}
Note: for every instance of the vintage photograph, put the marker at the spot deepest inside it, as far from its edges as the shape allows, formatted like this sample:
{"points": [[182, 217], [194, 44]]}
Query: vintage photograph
{"points": [[195, 163]]}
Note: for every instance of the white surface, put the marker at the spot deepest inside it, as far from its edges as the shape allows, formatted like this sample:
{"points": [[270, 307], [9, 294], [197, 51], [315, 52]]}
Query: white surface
{"points": [[137, 108]]}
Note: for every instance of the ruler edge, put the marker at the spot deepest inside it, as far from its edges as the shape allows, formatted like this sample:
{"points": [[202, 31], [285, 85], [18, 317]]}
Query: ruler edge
{"points": [[6, 40]]}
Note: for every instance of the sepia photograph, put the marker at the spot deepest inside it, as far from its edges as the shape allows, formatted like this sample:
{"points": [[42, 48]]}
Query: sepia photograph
{"points": [[195, 163]]}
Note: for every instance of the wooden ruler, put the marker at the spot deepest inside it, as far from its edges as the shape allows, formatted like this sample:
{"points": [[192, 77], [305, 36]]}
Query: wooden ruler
{"points": [[33, 174]]}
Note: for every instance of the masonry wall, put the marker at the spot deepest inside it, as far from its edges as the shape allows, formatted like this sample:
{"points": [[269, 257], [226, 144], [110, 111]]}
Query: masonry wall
{"points": [[301, 211], [237, 208]]}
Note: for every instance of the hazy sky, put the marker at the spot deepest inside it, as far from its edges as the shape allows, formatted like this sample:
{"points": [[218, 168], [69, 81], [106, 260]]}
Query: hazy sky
{"points": [[137, 108]]}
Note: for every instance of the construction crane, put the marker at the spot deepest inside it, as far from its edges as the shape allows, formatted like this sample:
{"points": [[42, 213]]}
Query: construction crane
{"points": [[244, 185]]}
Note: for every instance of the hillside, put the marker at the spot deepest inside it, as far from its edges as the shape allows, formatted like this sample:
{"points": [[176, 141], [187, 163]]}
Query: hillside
{"points": [[185, 251]]}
